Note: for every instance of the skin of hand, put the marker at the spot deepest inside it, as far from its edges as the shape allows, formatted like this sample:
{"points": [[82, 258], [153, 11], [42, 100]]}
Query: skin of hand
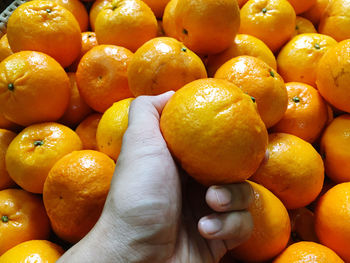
{"points": [[154, 212]]}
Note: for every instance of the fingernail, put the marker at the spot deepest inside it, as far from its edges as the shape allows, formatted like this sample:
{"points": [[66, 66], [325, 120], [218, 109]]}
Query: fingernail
{"points": [[223, 196], [211, 226]]}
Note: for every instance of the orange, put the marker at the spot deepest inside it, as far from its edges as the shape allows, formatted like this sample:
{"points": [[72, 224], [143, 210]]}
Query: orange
{"points": [[28, 80], [126, 23], [111, 128], [214, 131], [78, 10], [301, 6], [37, 250], [333, 76], [308, 252], [75, 192], [335, 20], [299, 58], [332, 220], [160, 30], [6, 137], [272, 21], [97, 6], [46, 27], [271, 228], [6, 124], [102, 76], [88, 41], [307, 112], [241, 3], [303, 225], [35, 150], [168, 20], [77, 108], [294, 171], [260, 81], [5, 49], [302, 26], [315, 13], [243, 45], [87, 131], [206, 26], [157, 6], [23, 218], [163, 64], [335, 145]]}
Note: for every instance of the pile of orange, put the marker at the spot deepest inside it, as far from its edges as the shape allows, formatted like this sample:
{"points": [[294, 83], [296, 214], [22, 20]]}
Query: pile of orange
{"points": [[262, 93]]}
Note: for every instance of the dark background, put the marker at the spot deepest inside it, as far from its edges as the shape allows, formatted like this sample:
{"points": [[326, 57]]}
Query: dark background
{"points": [[4, 4]]}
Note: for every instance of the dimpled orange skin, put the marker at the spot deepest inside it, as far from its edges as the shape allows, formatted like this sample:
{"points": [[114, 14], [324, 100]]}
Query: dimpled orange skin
{"points": [[298, 59], [102, 76], [332, 220], [34, 151], [88, 41], [303, 26], [260, 81], [75, 192], [97, 6], [308, 252], [215, 132], [206, 26], [5, 49], [335, 21], [243, 45], [87, 131], [275, 27], [333, 76], [26, 218], [126, 23], [335, 145], [77, 8], [33, 78], [306, 115], [6, 137], [32, 27], [111, 128], [163, 64], [271, 228], [294, 171], [301, 6], [77, 108], [41, 251]]}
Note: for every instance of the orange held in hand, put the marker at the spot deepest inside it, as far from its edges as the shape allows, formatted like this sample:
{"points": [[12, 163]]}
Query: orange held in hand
{"points": [[38, 250], [102, 76], [260, 81], [335, 145], [332, 220], [75, 192], [23, 218], [46, 27], [333, 76], [206, 26], [215, 132], [33, 88], [272, 21], [35, 150], [163, 64], [126, 23], [271, 228], [294, 171], [111, 128]]}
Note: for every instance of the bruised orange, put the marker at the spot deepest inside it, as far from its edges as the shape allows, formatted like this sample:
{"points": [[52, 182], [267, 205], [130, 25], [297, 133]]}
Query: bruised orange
{"points": [[214, 130]]}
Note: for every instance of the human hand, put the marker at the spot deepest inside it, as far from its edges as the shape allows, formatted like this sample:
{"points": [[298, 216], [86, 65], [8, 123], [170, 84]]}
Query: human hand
{"points": [[156, 213]]}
